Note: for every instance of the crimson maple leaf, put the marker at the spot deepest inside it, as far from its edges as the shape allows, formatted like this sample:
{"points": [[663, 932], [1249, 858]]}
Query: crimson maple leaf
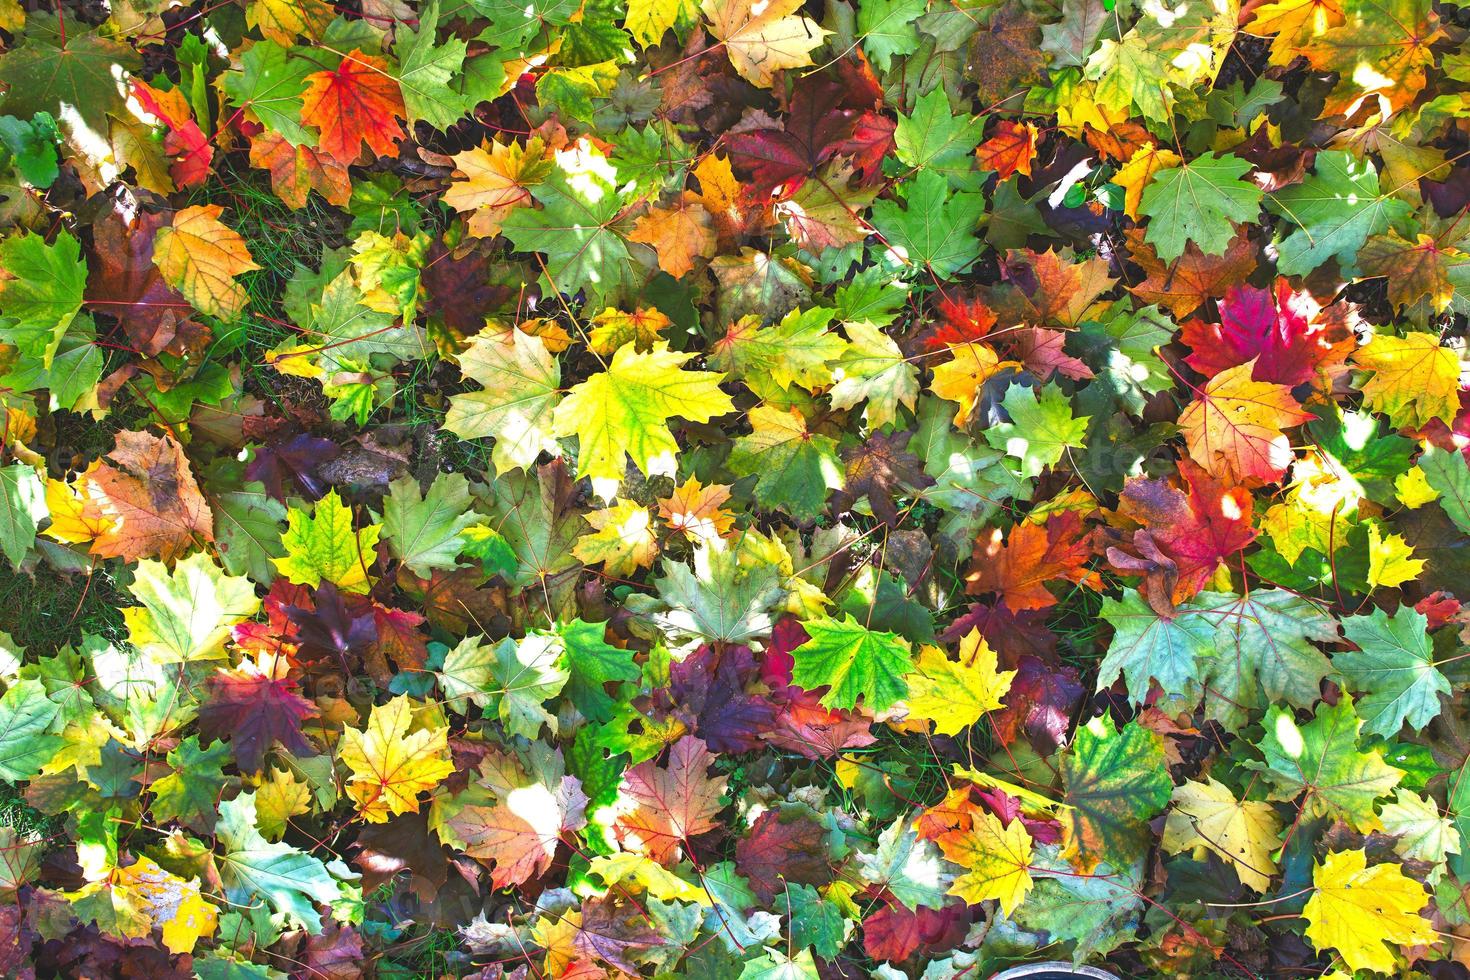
{"points": [[1289, 335], [255, 708]]}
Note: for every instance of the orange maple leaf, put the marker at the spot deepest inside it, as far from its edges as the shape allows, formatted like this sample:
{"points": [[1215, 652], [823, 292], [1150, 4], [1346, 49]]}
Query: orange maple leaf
{"points": [[1234, 429], [670, 805], [147, 498], [1017, 566], [358, 103]]}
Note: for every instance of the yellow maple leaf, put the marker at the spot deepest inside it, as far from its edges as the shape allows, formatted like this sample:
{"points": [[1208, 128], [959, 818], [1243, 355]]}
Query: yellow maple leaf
{"points": [[679, 234], [1391, 560], [624, 411], [1139, 171], [612, 328], [283, 21], [1356, 910], [280, 796], [69, 521], [493, 179], [1412, 489], [623, 539], [173, 904], [763, 37], [1414, 379], [391, 766], [646, 874], [556, 934], [649, 20], [200, 256], [1235, 428], [960, 379], [1243, 832], [954, 694], [996, 859], [1295, 22], [324, 547]]}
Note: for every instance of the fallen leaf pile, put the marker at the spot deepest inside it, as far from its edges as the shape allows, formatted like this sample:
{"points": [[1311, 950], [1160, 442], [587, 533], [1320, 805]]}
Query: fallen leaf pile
{"points": [[738, 490]]}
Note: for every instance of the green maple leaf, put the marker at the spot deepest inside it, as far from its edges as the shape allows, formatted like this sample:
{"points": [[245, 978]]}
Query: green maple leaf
{"points": [[1336, 209], [426, 70], [577, 229], [887, 28], [74, 75], [1147, 647], [191, 792], [624, 411], [795, 468], [971, 482], [186, 611], [1264, 652], [247, 530], [773, 964], [815, 923], [512, 679], [1115, 781], [26, 714], [1393, 670], [32, 145], [423, 530], [936, 138], [1132, 71], [934, 229], [1123, 353], [852, 662], [1322, 761], [1448, 474], [874, 368], [292, 881], [270, 84], [717, 600], [530, 513], [22, 505], [909, 868], [800, 349], [1041, 430], [591, 664], [45, 293], [323, 546], [1199, 202], [521, 383]]}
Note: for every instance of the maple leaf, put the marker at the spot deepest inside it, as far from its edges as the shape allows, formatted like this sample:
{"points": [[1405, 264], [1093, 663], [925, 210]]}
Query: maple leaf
{"points": [[1182, 285], [1010, 150], [623, 539], [42, 290], [296, 171], [934, 229], [520, 833], [200, 256], [880, 469], [1356, 910], [1115, 781], [661, 809], [1414, 379], [324, 547], [1323, 762], [852, 662], [955, 694], [1285, 333], [1198, 202], [624, 411], [256, 709], [1337, 208], [679, 233], [697, 511], [1393, 669], [1234, 429], [522, 385], [357, 102], [26, 714], [800, 349], [392, 765], [762, 39], [962, 378], [423, 529], [145, 500], [493, 179], [1041, 429], [1016, 566], [874, 368], [1241, 832], [996, 859], [292, 881]]}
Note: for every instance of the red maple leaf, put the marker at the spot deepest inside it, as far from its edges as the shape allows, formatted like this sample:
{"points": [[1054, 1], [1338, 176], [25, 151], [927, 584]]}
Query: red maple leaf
{"points": [[1288, 334], [358, 103]]}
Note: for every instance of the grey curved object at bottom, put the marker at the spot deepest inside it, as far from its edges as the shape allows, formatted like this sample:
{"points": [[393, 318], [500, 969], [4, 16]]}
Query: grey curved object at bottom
{"points": [[1057, 970]]}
